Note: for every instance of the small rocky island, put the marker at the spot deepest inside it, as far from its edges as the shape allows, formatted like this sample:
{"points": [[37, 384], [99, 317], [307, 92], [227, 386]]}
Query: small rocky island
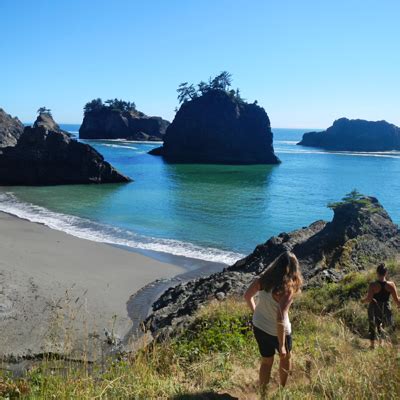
{"points": [[45, 120], [44, 156], [360, 235], [214, 125], [118, 119], [10, 129], [355, 135]]}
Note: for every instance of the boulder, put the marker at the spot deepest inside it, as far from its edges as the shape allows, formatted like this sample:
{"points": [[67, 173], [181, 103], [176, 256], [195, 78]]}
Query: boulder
{"points": [[10, 129], [360, 235], [112, 124], [45, 157], [355, 135], [218, 128]]}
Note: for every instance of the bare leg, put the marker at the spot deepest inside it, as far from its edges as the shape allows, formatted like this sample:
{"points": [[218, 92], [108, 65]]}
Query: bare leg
{"points": [[265, 372], [284, 368]]}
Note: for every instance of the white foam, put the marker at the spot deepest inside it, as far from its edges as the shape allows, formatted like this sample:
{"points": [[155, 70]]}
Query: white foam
{"points": [[119, 145], [97, 232], [383, 154]]}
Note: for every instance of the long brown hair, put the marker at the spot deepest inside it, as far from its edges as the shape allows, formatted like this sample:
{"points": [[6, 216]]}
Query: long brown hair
{"points": [[282, 275]]}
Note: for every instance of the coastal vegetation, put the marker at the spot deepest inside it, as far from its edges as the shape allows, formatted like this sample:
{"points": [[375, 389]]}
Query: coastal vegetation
{"points": [[44, 110], [117, 105], [216, 357], [222, 81]]}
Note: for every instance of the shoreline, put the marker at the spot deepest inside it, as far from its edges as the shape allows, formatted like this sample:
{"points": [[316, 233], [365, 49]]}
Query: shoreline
{"points": [[66, 295]]}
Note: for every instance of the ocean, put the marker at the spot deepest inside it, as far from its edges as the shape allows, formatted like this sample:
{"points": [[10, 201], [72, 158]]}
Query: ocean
{"points": [[208, 212]]}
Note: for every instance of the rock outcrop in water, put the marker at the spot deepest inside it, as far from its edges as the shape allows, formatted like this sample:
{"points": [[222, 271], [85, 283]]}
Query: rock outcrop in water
{"points": [[45, 157], [109, 122], [45, 120], [355, 135], [10, 129], [219, 128], [360, 234]]}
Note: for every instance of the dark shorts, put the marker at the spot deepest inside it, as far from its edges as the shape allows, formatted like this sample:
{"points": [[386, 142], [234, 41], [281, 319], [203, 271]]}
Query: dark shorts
{"points": [[268, 344]]}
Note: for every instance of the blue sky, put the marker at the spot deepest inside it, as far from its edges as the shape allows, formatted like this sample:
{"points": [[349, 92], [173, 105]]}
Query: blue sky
{"points": [[306, 62]]}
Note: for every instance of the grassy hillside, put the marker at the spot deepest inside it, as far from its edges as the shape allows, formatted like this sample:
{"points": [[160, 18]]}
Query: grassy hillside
{"points": [[217, 358]]}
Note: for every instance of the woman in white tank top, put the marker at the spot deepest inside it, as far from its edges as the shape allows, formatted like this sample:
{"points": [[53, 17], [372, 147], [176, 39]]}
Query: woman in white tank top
{"points": [[275, 290]]}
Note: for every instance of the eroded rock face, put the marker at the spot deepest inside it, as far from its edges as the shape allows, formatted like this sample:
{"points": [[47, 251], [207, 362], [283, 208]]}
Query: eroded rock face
{"points": [[43, 157], [45, 120], [132, 125], [10, 129], [360, 234], [218, 128], [355, 135]]}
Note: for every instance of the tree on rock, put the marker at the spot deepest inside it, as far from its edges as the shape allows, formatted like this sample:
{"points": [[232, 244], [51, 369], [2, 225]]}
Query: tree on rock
{"points": [[186, 92], [44, 110], [222, 82]]}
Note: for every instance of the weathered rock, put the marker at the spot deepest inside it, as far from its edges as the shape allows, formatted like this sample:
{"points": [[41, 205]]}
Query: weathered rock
{"points": [[219, 128], [45, 120], [360, 235], [355, 135], [113, 124], [10, 129], [43, 157]]}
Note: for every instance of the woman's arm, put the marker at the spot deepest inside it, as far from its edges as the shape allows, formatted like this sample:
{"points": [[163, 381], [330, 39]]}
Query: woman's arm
{"points": [[370, 295], [283, 310], [252, 290], [393, 291]]}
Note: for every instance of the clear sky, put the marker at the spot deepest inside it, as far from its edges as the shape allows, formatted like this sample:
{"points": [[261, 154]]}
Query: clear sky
{"points": [[306, 62]]}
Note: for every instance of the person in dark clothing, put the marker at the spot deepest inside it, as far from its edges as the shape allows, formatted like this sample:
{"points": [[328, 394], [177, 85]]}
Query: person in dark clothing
{"points": [[379, 311]]}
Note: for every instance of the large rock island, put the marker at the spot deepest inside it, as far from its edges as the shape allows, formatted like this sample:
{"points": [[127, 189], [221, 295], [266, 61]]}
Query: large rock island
{"points": [[10, 129], [360, 235], [215, 125], [117, 119], [355, 135], [45, 157]]}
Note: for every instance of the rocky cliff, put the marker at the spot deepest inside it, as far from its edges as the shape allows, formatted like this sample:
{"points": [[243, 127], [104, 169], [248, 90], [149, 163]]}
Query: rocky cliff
{"points": [[355, 135], [43, 157], [360, 234], [216, 127], [10, 129], [112, 124], [45, 120]]}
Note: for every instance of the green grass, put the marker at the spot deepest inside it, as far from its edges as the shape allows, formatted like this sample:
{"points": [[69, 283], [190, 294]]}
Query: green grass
{"points": [[218, 354]]}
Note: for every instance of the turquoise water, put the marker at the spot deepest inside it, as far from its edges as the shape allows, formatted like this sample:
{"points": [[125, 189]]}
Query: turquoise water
{"points": [[210, 212]]}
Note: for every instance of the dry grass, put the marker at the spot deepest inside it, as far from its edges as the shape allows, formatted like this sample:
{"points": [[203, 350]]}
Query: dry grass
{"points": [[218, 355]]}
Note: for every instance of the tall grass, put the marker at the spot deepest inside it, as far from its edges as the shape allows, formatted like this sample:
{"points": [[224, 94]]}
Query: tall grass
{"points": [[217, 355]]}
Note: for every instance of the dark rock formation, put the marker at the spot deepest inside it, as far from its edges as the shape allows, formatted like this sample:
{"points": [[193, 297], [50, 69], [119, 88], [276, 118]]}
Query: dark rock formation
{"points": [[219, 128], [113, 124], [360, 234], [46, 121], [43, 157], [10, 129], [355, 135]]}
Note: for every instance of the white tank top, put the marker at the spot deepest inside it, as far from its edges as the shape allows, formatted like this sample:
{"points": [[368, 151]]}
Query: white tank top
{"points": [[265, 314]]}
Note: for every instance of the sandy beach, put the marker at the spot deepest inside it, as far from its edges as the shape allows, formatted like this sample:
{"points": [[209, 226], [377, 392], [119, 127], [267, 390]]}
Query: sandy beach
{"points": [[59, 292]]}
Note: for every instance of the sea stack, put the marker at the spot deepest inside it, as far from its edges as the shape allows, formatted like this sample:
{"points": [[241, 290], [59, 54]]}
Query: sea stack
{"points": [[45, 120], [118, 119], [45, 157], [215, 125], [355, 135], [10, 129]]}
